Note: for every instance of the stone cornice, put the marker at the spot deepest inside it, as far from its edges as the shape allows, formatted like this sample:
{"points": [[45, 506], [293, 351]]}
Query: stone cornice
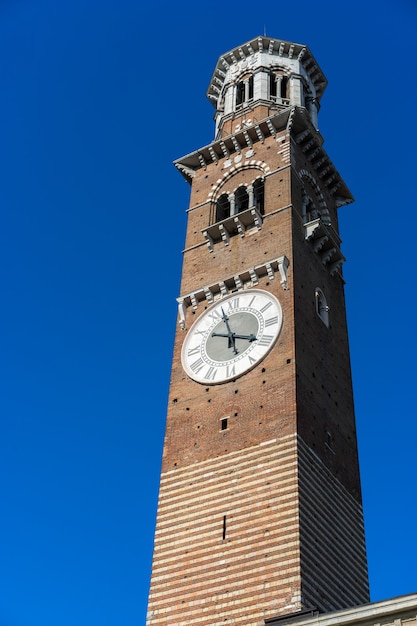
{"points": [[266, 45], [242, 139], [296, 121], [243, 280]]}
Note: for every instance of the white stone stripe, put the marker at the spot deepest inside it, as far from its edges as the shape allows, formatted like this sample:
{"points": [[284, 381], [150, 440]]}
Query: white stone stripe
{"points": [[242, 589], [325, 535], [224, 498], [306, 456], [287, 561], [333, 555], [333, 504], [335, 596], [244, 578], [315, 576], [278, 509], [347, 531], [224, 460], [212, 532], [237, 520], [212, 550], [169, 500], [244, 464]]}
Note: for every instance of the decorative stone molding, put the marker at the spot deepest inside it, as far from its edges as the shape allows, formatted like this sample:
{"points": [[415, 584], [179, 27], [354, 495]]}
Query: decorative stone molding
{"points": [[233, 225], [326, 244], [294, 121], [218, 188], [250, 54], [244, 280], [305, 174]]}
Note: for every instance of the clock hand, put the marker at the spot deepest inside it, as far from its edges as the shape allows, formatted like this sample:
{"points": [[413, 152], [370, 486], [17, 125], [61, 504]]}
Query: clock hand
{"points": [[250, 337], [231, 340]]}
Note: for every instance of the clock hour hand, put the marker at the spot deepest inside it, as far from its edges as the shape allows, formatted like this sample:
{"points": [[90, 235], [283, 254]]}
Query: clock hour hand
{"points": [[250, 337], [230, 337]]}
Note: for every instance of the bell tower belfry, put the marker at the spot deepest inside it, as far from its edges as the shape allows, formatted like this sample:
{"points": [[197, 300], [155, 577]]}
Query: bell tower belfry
{"points": [[268, 75], [259, 512]]}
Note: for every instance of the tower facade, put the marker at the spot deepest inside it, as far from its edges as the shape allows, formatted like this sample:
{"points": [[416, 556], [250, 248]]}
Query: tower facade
{"points": [[259, 511]]}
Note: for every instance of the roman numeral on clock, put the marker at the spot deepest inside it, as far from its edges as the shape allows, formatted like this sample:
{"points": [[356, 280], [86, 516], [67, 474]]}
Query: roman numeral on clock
{"points": [[214, 315], [264, 308], [271, 321], [197, 365], [233, 304], [193, 351], [265, 340], [230, 371], [211, 373]]}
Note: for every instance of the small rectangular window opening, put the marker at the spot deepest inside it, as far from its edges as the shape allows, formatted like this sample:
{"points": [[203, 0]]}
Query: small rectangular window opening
{"points": [[224, 527], [224, 423]]}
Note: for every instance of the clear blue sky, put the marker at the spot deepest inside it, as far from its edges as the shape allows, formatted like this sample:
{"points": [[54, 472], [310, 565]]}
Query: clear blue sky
{"points": [[96, 101]]}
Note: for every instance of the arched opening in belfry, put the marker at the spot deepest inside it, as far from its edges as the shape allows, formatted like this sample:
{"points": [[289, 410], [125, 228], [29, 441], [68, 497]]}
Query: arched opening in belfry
{"points": [[258, 195], [244, 91], [222, 207], [242, 199]]}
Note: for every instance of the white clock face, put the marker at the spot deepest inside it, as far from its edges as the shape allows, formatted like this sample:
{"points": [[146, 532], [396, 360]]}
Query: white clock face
{"points": [[232, 336]]}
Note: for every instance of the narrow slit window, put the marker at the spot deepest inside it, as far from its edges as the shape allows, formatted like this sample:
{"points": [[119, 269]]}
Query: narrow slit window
{"points": [[223, 423], [224, 527]]}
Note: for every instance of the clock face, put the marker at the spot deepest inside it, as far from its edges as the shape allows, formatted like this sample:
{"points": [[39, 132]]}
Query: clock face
{"points": [[232, 336]]}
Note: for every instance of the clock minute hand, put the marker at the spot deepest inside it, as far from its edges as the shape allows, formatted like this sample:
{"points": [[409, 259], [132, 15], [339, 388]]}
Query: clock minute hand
{"points": [[231, 339], [235, 336]]}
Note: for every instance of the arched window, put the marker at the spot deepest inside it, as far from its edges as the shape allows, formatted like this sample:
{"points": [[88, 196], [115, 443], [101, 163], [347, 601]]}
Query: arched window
{"points": [[322, 308], [250, 94], [222, 208], [278, 86], [240, 93], [310, 211], [244, 91], [242, 200], [284, 87], [272, 86], [258, 195]]}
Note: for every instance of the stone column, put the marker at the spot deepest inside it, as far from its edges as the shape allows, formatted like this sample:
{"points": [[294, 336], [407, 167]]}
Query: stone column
{"points": [[251, 203], [247, 90], [278, 85]]}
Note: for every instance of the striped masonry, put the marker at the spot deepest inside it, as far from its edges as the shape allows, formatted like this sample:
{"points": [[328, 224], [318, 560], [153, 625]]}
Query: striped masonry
{"points": [[333, 556], [226, 543]]}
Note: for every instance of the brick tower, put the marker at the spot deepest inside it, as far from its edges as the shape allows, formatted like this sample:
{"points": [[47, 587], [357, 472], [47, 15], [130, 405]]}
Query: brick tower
{"points": [[259, 512]]}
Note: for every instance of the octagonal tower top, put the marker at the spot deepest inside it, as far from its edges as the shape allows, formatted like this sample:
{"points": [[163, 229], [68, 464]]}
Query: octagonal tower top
{"points": [[261, 77]]}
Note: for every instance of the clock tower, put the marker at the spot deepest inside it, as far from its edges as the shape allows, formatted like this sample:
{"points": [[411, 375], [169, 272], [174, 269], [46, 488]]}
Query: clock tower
{"points": [[259, 512]]}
